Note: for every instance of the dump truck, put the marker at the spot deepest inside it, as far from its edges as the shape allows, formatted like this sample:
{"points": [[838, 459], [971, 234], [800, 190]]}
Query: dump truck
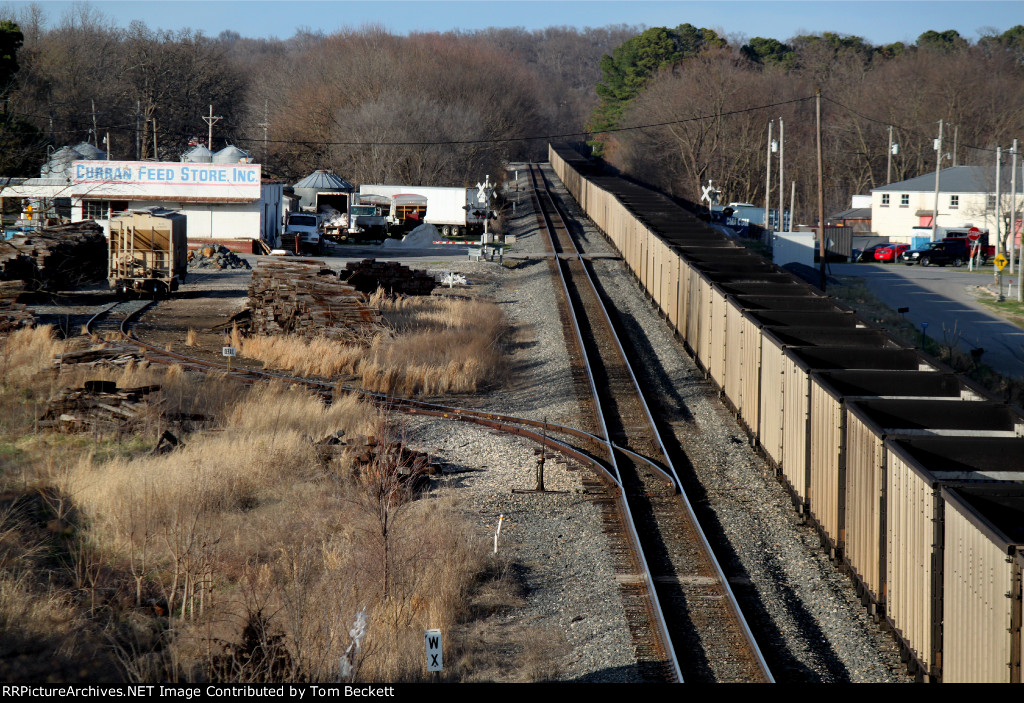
{"points": [[454, 211]]}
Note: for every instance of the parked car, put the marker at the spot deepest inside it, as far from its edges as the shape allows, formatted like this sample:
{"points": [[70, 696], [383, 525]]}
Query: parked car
{"points": [[940, 253], [890, 253], [868, 254]]}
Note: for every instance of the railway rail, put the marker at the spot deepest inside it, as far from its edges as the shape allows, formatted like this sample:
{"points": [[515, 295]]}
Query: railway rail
{"points": [[910, 474], [688, 598]]}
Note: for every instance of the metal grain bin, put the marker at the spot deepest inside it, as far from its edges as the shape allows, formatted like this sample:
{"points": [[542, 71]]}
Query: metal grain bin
{"points": [[862, 483], [981, 606]]}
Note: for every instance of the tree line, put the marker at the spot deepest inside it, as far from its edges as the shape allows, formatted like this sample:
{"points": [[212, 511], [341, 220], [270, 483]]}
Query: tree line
{"points": [[448, 108], [428, 108], [709, 96]]}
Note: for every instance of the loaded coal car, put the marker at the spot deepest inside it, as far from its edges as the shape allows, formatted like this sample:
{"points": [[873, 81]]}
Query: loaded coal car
{"points": [[147, 251]]}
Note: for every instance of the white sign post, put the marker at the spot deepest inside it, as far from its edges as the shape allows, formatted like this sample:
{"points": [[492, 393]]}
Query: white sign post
{"points": [[228, 352], [435, 661]]}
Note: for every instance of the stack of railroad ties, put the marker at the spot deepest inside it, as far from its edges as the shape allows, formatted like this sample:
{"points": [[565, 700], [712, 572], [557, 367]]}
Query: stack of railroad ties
{"points": [[13, 315], [57, 258], [308, 299]]}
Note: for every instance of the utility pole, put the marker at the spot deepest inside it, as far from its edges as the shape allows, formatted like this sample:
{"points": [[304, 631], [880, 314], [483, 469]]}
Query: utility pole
{"points": [[956, 141], [1020, 262], [999, 214], [156, 154], [821, 195], [1013, 206], [265, 124], [768, 177], [95, 131], [782, 181], [792, 204], [893, 150], [210, 121], [106, 140], [138, 130], [938, 167]]}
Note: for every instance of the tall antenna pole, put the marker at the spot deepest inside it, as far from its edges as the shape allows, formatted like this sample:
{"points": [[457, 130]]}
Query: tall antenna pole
{"points": [[768, 177], [210, 121], [938, 167], [821, 195]]}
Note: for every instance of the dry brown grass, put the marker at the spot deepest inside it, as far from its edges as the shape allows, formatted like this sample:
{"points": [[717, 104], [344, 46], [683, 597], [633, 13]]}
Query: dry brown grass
{"points": [[27, 352], [433, 346], [167, 560], [246, 521]]}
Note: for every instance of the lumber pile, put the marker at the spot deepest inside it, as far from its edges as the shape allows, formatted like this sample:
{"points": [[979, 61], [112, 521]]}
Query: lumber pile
{"points": [[57, 258], [369, 274], [305, 298], [406, 464], [98, 406], [13, 315]]}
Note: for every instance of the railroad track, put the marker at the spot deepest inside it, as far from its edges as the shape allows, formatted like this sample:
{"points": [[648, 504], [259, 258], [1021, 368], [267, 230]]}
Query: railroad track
{"points": [[675, 593]]}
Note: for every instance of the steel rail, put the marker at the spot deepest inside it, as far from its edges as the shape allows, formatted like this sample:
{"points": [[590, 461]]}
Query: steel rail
{"points": [[655, 608], [720, 574], [506, 423]]}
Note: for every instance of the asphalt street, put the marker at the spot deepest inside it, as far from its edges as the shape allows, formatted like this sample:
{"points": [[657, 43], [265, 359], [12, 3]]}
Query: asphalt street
{"points": [[946, 299]]}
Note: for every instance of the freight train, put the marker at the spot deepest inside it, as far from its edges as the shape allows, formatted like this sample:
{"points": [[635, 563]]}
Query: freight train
{"points": [[912, 475]]}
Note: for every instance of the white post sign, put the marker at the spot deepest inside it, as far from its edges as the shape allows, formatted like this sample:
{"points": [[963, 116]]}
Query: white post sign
{"points": [[435, 662]]}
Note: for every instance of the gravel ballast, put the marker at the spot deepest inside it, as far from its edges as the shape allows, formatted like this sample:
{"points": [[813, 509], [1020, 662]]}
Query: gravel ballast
{"points": [[803, 610]]}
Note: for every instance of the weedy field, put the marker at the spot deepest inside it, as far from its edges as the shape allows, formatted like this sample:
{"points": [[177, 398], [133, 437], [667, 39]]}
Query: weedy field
{"points": [[242, 554], [429, 346]]}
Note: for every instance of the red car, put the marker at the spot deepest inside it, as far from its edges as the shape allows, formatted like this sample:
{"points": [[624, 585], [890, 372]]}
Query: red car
{"points": [[890, 253]]}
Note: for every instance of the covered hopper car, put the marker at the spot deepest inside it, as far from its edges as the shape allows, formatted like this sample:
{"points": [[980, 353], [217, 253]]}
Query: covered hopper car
{"points": [[147, 251]]}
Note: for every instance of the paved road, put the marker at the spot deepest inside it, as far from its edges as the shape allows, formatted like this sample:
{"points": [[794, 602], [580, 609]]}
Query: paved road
{"points": [[945, 298]]}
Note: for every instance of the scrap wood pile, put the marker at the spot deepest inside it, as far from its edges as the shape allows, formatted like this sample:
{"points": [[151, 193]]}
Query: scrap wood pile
{"points": [[369, 274], [98, 406], [305, 298], [407, 464], [99, 357], [57, 258], [13, 315]]}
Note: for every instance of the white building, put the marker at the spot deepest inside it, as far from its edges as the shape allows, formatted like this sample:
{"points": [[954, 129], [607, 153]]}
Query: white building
{"points": [[224, 203], [904, 211]]}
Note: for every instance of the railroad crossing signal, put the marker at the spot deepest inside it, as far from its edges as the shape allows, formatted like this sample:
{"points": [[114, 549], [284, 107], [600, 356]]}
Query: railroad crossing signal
{"points": [[435, 660], [710, 193], [1001, 262]]}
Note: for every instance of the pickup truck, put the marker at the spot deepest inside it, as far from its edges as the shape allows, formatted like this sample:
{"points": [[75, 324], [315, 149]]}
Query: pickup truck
{"points": [[954, 252]]}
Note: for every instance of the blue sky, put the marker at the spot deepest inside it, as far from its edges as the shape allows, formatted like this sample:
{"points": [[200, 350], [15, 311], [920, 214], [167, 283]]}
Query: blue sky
{"points": [[878, 21]]}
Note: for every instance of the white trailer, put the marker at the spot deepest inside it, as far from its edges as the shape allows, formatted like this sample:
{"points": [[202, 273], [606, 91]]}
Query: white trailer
{"points": [[454, 211]]}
